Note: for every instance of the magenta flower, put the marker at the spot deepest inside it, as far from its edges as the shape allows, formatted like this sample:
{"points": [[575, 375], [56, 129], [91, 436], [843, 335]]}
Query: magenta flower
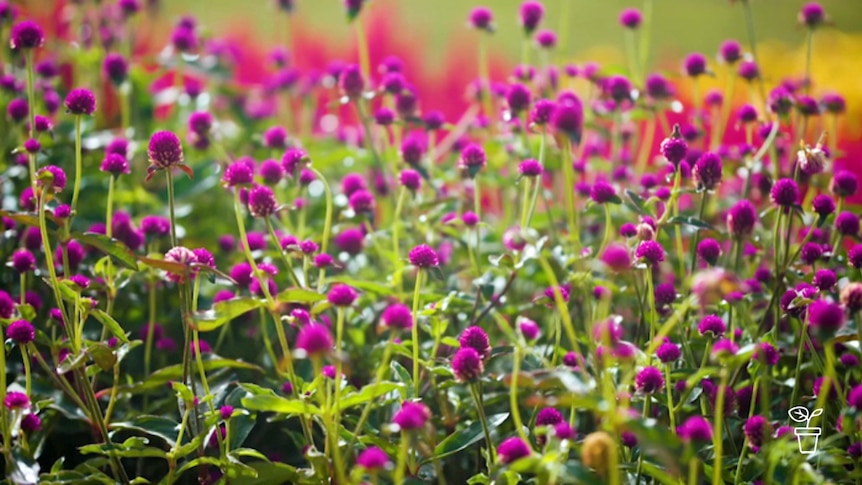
{"points": [[481, 18], [373, 458], [467, 365], [397, 316], [630, 18], [314, 339], [477, 339], [412, 416], [165, 151], [26, 35], [513, 449], [422, 256], [21, 332]]}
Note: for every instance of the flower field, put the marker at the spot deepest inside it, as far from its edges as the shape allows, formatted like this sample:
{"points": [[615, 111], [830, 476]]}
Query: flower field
{"points": [[234, 263]]}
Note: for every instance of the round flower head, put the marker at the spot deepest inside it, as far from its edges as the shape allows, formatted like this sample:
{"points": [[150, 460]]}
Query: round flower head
{"points": [[567, 116], [481, 18], [668, 352], [32, 145], [271, 172], [80, 101], [351, 82], [709, 250], [397, 316], [23, 261], [746, 114], [410, 179], [658, 87], [546, 39], [602, 192], [353, 8], [16, 400], [712, 324], [469, 218], [21, 332], [384, 116], [323, 260], [472, 159], [748, 70], [618, 88], [184, 39], [650, 252], [341, 295], [7, 305], [476, 339], [292, 159], [531, 14], [674, 148], [53, 176], [844, 183], [422, 256], [412, 416], [42, 124], [811, 252], [314, 339], [518, 97], [847, 223], [696, 428], [827, 318], [631, 18], [412, 150], [766, 353], [812, 14], [165, 150], [529, 329], [807, 106], [512, 449], [201, 122], [823, 205], [467, 365], [530, 168], [542, 112], [741, 219], [31, 423], [854, 398], [115, 164], [361, 201], [757, 429], [433, 120], [617, 257], [730, 51], [261, 202], [26, 35], [825, 279], [18, 109], [115, 68], [695, 64], [834, 103], [785, 192], [275, 137], [350, 241], [373, 458], [649, 380]]}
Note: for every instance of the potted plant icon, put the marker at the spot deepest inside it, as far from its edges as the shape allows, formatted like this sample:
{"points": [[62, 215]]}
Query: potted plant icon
{"points": [[800, 414]]}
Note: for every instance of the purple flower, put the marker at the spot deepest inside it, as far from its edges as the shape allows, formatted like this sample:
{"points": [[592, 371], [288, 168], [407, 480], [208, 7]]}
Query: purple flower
{"points": [[31, 423], [26, 35], [80, 101], [827, 318], [115, 164], [812, 15], [844, 183], [602, 192], [397, 316], [531, 13], [472, 159], [758, 430], [618, 88], [292, 159], [825, 279], [649, 380], [730, 51], [766, 353], [422, 256], [834, 103], [412, 416], [543, 111], [275, 137], [748, 70], [823, 205], [115, 68], [469, 218], [785, 193], [546, 39], [21, 332], [567, 115], [650, 252], [410, 179], [184, 39], [674, 148], [741, 219], [353, 8], [658, 87], [238, 173], [477, 339], [617, 257], [350, 241], [467, 365], [16, 400], [695, 64], [23, 261], [323, 260], [7, 305], [668, 352], [51, 176], [481, 18], [847, 223], [165, 150], [433, 120], [341, 295], [529, 329], [709, 250], [261, 202], [361, 201], [695, 428], [631, 18], [271, 172], [351, 82], [314, 339], [373, 458], [18, 109], [518, 97], [712, 324]]}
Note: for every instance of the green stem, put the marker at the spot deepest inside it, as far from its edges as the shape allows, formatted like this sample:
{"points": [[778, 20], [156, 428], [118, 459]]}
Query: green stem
{"points": [[799, 357], [170, 183], [513, 394], [31, 103], [26, 361], [525, 202], [704, 197], [477, 398], [78, 163], [717, 436], [569, 195], [809, 44], [415, 333], [669, 390], [609, 226], [403, 450], [362, 46], [378, 379], [477, 207], [538, 186], [327, 223]]}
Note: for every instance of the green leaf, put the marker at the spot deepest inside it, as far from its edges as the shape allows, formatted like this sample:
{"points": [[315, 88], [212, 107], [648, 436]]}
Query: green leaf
{"points": [[123, 452], [169, 266], [691, 221], [635, 202], [366, 286], [110, 246], [462, 439], [175, 372], [225, 311], [269, 474], [112, 325], [403, 375], [183, 391], [280, 405], [25, 218], [27, 312], [102, 355], [70, 362], [299, 295], [369, 392], [156, 426], [615, 199]]}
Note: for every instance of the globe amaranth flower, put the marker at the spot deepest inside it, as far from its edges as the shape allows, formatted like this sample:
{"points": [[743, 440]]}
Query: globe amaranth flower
{"points": [[21, 332], [631, 18], [481, 18], [695, 429], [26, 35], [262, 202], [271, 172], [165, 151], [766, 353], [292, 159], [758, 430], [712, 324], [183, 256], [695, 64], [23, 261], [116, 68], [658, 87], [397, 316], [410, 179], [351, 82], [674, 148], [472, 159], [825, 279], [16, 400], [618, 88], [668, 352], [847, 223], [546, 39], [314, 339], [51, 176], [567, 115], [467, 365], [834, 103], [617, 258], [373, 458], [275, 137], [423, 256], [512, 449], [730, 51], [542, 112], [353, 8], [827, 318], [114, 164], [361, 201], [518, 98], [341, 295], [785, 192], [602, 192], [649, 380], [476, 338], [531, 14], [650, 252], [18, 109], [412, 416], [844, 183], [741, 219], [709, 250], [530, 168], [351, 241], [80, 101], [812, 15], [433, 120], [823, 205], [31, 423]]}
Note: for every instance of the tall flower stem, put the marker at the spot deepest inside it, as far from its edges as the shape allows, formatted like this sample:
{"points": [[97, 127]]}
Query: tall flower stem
{"points": [[609, 226], [362, 47], [78, 163], [717, 434], [26, 359], [704, 198], [396, 250], [721, 124], [485, 80], [415, 332], [31, 101], [800, 352], [752, 41], [327, 223], [378, 378], [669, 391], [809, 44], [403, 451], [513, 393], [477, 207], [339, 369], [171, 208], [569, 195], [477, 398], [538, 187], [525, 201], [646, 143]]}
